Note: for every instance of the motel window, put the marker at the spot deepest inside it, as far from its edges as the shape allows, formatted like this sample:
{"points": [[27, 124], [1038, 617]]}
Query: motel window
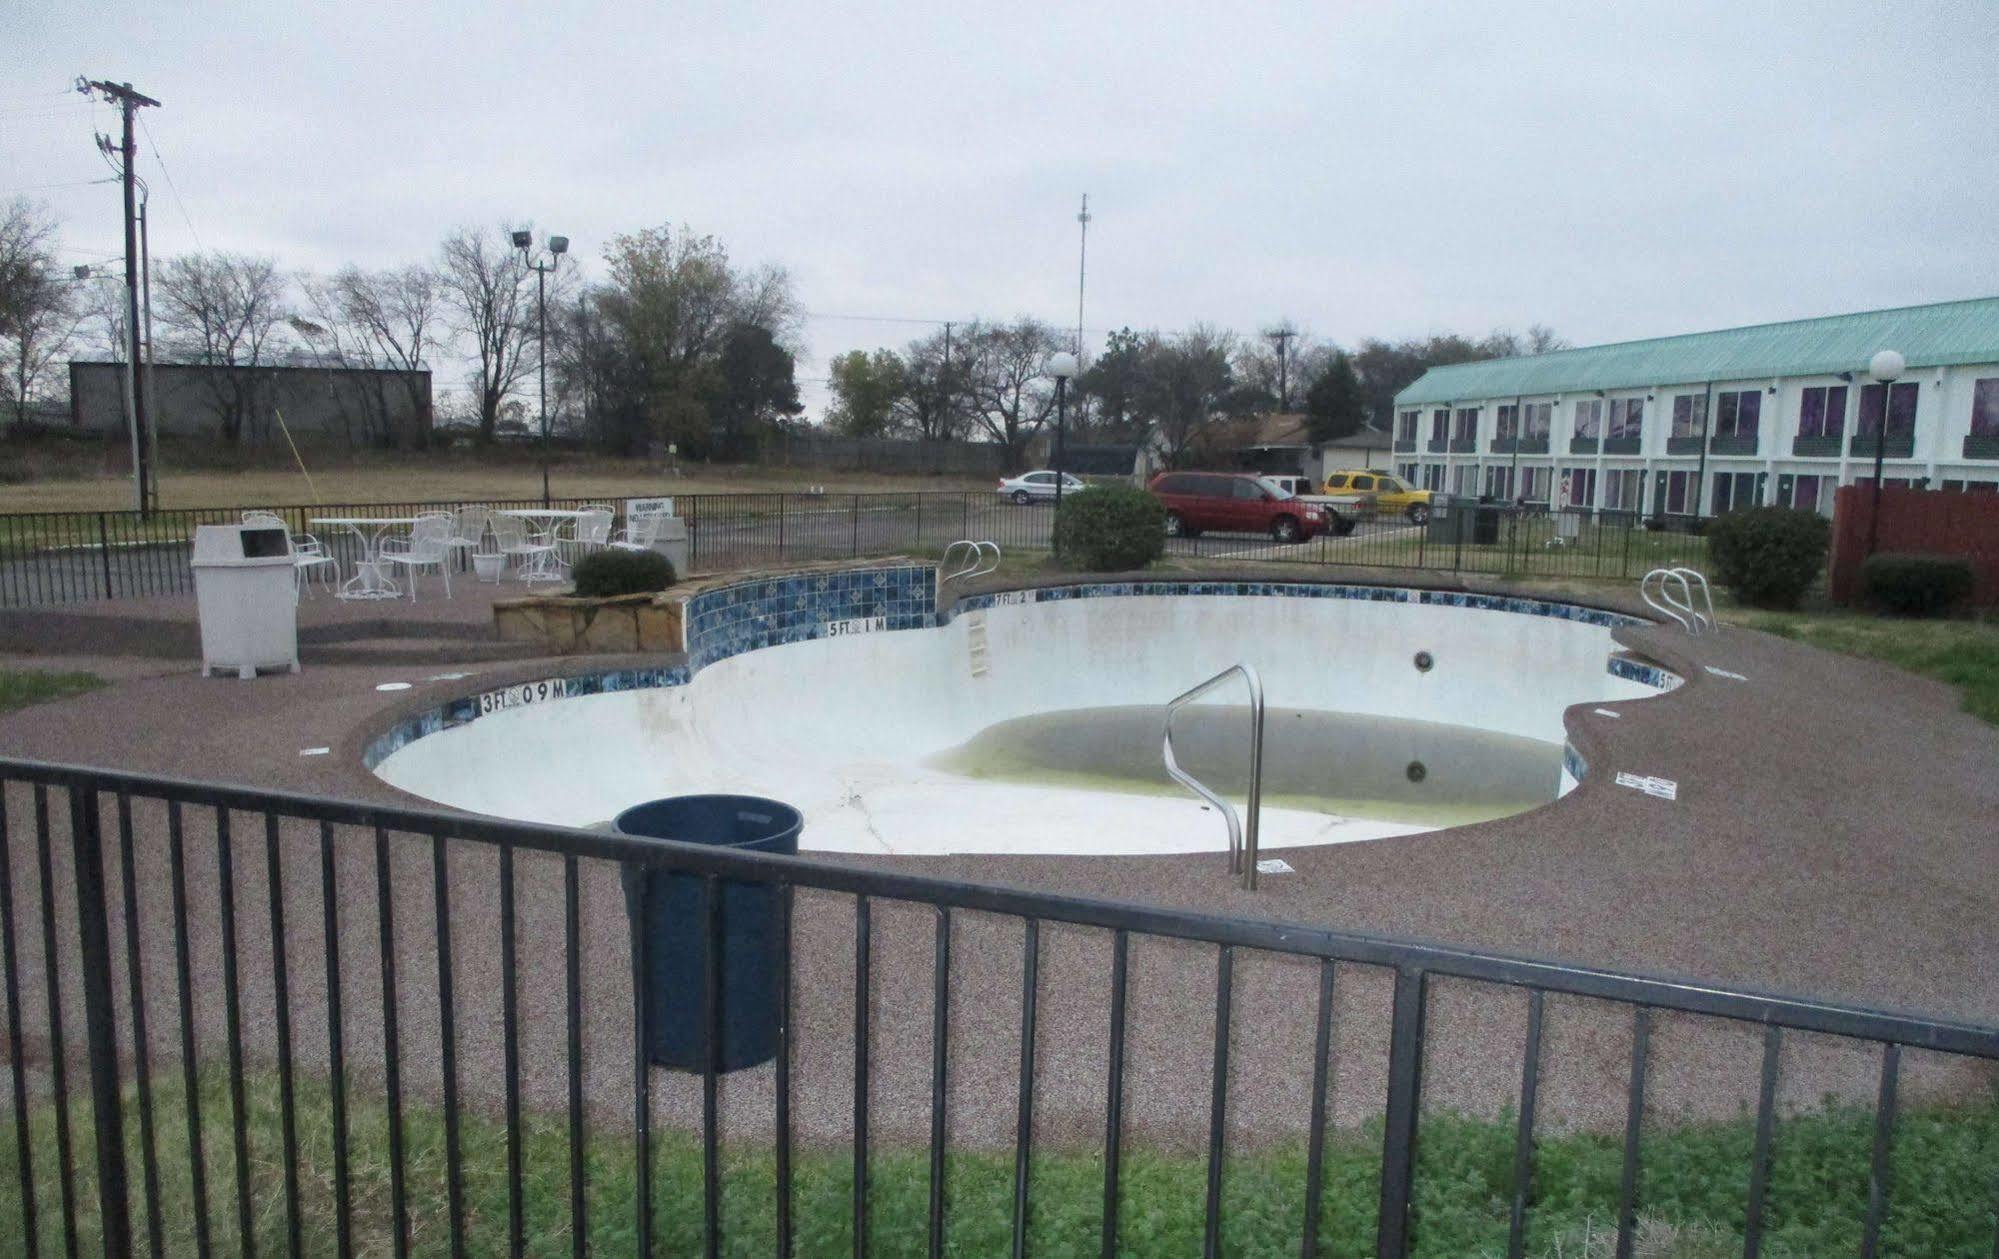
{"points": [[1589, 419], [1676, 488], [1467, 428], [1689, 415], [1623, 491], [1581, 483], [1534, 484], [1901, 409], [1985, 407], [1433, 476], [1499, 482], [1822, 411], [1506, 423], [1461, 480], [1407, 471], [1734, 491], [1627, 417], [1440, 424], [1805, 493], [1540, 418], [1405, 426], [1736, 412]]}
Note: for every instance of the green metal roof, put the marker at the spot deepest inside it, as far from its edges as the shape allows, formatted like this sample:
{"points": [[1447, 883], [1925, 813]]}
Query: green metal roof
{"points": [[1927, 336]]}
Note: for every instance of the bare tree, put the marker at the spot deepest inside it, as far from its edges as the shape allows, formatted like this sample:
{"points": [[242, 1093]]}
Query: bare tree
{"points": [[335, 346], [395, 314], [488, 296], [225, 310], [1003, 381], [40, 313]]}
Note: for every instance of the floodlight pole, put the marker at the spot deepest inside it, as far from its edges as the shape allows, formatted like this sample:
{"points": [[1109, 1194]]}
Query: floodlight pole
{"points": [[1885, 368], [557, 246]]}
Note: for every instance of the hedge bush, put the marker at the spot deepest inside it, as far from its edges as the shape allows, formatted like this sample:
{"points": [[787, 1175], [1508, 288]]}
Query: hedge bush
{"points": [[1109, 529], [615, 571], [1769, 556], [1916, 585]]}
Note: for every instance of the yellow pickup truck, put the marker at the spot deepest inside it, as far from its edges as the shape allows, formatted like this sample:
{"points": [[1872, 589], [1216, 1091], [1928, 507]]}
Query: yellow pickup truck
{"points": [[1392, 495]]}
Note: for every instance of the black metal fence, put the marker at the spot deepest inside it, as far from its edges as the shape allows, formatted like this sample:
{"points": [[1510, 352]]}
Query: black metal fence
{"points": [[430, 973], [59, 557]]}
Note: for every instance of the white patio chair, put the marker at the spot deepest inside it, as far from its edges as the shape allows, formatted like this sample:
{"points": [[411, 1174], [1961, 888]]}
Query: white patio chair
{"points": [[309, 554], [640, 532], [428, 546], [511, 536], [469, 525], [592, 533]]}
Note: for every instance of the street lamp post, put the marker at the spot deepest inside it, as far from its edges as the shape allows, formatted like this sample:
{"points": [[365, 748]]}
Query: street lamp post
{"points": [[557, 246], [1883, 369], [1061, 365]]}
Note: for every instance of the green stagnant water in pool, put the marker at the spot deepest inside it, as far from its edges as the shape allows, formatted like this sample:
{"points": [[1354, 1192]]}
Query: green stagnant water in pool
{"points": [[1342, 764]]}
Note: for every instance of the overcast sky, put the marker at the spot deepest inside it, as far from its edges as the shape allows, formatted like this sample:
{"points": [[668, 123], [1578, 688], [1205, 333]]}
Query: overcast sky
{"points": [[1614, 171]]}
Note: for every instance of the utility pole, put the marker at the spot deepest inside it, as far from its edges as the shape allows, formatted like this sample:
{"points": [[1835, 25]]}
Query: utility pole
{"points": [[1282, 335], [1082, 259], [944, 388], [129, 103]]}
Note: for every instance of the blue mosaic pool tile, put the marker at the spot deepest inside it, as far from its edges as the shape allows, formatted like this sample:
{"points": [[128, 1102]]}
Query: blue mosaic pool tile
{"points": [[1573, 761], [1645, 674]]}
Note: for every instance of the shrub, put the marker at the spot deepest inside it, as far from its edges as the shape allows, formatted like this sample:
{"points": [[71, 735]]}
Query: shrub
{"points": [[1916, 585], [1109, 529], [614, 571], [1769, 556]]}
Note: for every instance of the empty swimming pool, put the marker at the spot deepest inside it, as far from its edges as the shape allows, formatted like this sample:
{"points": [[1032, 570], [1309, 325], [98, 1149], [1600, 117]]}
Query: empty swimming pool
{"points": [[1028, 721]]}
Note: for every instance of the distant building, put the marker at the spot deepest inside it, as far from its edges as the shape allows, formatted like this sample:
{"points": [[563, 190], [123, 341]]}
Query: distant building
{"points": [[1701, 423], [1281, 443], [343, 406]]}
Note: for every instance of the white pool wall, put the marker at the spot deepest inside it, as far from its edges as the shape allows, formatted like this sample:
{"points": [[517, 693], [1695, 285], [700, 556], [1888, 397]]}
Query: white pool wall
{"points": [[839, 726]]}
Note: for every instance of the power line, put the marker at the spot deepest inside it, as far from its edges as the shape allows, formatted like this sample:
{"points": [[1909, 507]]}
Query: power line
{"points": [[70, 183], [171, 185]]}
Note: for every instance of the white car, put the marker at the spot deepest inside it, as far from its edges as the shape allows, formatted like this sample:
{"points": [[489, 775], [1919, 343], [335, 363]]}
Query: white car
{"points": [[1029, 486]]}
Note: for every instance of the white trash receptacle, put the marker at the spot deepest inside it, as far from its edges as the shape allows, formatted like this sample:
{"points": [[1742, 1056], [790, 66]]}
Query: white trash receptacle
{"points": [[247, 594], [671, 541]]}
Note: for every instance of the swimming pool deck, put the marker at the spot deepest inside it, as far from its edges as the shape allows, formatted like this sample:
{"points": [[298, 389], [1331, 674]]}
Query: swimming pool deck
{"points": [[1835, 835]]}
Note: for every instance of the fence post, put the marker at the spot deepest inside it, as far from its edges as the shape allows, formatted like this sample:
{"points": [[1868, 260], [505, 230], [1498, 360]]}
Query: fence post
{"points": [[782, 499], [918, 545], [856, 547], [104, 551], [94, 944], [1405, 1081], [1624, 565], [1457, 537]]}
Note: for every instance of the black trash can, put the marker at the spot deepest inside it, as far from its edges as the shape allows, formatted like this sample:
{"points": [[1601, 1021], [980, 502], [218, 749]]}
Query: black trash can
{"points": [[666, 907], [1485, 523]]}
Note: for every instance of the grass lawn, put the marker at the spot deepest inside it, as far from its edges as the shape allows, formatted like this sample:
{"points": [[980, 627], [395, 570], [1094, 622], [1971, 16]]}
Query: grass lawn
{"points": [[22, 687], [1962, 653], [1692, 1190], [432, 477]]}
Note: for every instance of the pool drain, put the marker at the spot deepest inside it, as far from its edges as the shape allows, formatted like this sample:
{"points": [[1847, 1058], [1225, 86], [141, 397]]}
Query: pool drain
{"points": [[1416, 771], [1425, 661]]}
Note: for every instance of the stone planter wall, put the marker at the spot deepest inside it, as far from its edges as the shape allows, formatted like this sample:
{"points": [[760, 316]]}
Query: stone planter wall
{"points": [[565, 625]]}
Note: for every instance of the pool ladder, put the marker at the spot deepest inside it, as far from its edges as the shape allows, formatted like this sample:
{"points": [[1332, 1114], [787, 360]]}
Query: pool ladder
{"points": [[1242, 845], [1682, 609]]}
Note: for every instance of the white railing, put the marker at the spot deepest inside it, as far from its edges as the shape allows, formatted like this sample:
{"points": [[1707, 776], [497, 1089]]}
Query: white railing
{"points": [[1693, 619]]}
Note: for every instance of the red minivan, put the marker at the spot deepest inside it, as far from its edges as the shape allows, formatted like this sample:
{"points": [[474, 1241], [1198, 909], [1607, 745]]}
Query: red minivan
{"points": [[1233, 502]]}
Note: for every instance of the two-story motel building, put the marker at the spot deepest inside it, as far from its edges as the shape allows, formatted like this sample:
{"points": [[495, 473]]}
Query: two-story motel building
{"points": [[1708, 421]]}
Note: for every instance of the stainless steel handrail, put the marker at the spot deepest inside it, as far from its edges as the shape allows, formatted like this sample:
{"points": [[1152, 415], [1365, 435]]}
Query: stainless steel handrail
{"points": [[1695, 621], [1242, 847], [1666, 604], [1688, 576], [976, 552]]}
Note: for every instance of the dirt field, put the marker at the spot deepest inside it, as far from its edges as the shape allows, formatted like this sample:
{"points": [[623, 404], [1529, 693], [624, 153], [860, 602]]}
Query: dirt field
{"points": [[428, 477]]}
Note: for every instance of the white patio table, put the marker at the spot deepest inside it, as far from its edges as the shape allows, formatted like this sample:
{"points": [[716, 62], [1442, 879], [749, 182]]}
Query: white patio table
{"points": [[370, 579], [544, 523]]}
